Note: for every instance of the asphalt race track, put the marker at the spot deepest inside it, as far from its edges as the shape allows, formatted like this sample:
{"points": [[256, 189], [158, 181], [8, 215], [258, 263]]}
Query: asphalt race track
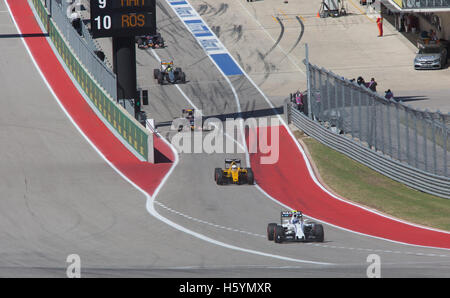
{"points": [[61, 197]]}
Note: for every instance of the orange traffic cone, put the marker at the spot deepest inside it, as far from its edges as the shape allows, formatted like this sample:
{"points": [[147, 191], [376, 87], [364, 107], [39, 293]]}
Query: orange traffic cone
{"points": [[318, 14]]}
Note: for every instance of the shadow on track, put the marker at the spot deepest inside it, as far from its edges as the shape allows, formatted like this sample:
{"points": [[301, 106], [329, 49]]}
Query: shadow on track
{"points": [[243, 115], [27, 35]]}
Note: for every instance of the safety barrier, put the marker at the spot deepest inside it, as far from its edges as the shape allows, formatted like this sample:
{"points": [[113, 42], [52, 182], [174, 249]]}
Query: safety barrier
{"points": [[128, 128], [417, 138], [403, 173]]}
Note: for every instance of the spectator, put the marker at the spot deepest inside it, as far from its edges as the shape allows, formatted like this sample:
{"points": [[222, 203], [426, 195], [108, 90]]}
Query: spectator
{"points": [[361, 81], [373, 85], [389, 95], [75, 20], [299, 100]]}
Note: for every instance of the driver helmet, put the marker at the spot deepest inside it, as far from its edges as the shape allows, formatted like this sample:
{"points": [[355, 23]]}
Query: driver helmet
{"points": [[297, 216], [233, 167]]}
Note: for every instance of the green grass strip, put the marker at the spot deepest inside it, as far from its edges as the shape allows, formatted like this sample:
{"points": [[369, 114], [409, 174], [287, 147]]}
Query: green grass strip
{"points": [[363, 185]]}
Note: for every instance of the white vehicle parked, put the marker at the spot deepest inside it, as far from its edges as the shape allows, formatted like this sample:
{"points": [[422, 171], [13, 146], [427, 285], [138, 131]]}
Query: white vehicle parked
{"points": [[294, 228]]}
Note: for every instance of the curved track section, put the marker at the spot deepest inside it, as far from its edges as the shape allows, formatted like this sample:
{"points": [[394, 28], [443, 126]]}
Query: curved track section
{"points": [[239, 214], [110, 228], [308, 195], [60, 195], [279, 178]]}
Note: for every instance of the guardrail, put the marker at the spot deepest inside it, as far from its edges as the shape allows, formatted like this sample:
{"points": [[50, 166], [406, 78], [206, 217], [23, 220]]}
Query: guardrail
{"points": [[119, 119], [403, 173]]}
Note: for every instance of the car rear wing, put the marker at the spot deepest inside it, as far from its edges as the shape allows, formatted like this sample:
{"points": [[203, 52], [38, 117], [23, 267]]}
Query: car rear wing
{"points": [[228, 161], [166, 62], [286, 216]]}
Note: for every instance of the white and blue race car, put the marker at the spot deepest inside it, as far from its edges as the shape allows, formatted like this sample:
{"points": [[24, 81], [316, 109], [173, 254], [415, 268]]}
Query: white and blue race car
{"points": [[294, 228]]}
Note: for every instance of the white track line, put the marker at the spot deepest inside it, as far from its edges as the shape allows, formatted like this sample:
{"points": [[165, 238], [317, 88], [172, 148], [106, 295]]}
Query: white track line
{"points": [[243, 147], [208, 223], [151, 209], [370, 250]]}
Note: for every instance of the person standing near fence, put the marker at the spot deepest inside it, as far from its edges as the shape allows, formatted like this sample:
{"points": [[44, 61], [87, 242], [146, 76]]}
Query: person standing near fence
{"points": [[299, 100], [380, 26], [361, 81], [373, 85], [388, 94]]}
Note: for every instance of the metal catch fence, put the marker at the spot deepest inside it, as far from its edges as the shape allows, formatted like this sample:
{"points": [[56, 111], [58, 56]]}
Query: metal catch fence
{"points": [[417, 138], [406, 144], [82, 44]]}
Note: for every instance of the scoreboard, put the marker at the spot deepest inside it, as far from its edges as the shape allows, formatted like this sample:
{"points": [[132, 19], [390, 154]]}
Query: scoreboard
{"points": [[113, 18]]}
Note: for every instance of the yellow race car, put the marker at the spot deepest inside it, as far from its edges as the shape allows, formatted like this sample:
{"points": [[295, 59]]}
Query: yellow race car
{"points": [[233, 173]]}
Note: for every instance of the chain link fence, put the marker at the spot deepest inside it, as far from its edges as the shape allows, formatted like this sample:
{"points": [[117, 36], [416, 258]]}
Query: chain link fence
{"points": [[417, 138], [133, 134], [82, 44]]}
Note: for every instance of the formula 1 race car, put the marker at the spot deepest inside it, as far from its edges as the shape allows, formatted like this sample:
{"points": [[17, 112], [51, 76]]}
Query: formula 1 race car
{"points": [[293, 228], [233, 173], [189, 115], [190, 120], [166, 72], [150, 41]]}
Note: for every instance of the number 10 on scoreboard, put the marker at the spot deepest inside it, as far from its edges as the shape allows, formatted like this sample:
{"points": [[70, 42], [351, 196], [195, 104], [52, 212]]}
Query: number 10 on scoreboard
{"points": [[110, 18]]}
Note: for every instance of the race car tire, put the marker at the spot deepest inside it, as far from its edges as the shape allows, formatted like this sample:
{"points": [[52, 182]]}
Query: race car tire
{"points": [[161, 78], [318, 232], [156, 73], [220, 180], [250, 177], [271, 231], [217, 172], [183, 77], [278, 234]]}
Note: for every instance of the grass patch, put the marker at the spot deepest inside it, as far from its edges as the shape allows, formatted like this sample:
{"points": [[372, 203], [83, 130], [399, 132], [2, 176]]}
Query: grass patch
{"points": [[360, 184]]}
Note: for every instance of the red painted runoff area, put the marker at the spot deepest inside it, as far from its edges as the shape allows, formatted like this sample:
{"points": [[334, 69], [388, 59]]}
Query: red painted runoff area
{"points": [[147, 176]]}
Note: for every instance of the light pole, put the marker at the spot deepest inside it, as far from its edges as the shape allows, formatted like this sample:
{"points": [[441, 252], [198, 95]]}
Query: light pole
{"points": [[308, 81]]}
